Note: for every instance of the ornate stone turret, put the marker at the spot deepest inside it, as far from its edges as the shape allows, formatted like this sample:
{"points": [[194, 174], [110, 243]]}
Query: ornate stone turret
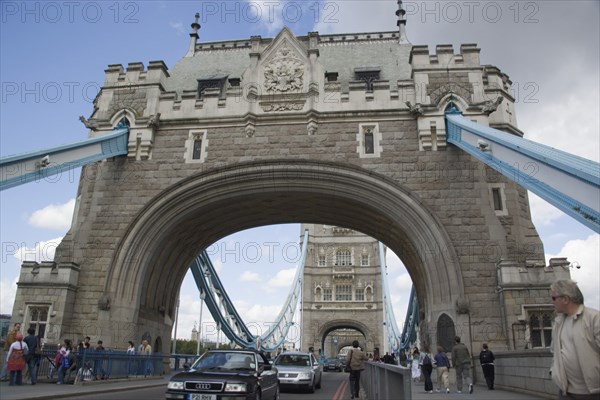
{"points": [[194, 37]]}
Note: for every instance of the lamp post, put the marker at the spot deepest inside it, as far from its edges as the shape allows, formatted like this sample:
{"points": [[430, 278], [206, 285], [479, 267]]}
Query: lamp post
{"points": [[200, 325]]}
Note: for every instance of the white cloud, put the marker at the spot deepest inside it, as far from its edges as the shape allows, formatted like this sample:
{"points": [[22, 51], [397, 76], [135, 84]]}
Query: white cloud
{"points": [[283, 279], [42, 251], [178, 26], [54, 216], [249, 276], [8, 291], [542, 212], [587, 254]]}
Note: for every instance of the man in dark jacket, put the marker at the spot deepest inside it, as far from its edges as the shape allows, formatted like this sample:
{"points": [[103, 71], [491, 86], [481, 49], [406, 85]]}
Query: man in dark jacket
{"points": [[33, 357], [461, 358], [486, 358]]}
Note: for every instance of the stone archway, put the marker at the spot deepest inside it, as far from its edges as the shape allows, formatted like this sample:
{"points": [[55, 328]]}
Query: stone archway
{"points": [[152, 258]]}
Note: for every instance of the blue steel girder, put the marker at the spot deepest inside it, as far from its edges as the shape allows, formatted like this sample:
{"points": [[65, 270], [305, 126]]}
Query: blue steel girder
{"points": [[569, 182], [226, 316], [409, 332], [34, 166], [391, 327]]}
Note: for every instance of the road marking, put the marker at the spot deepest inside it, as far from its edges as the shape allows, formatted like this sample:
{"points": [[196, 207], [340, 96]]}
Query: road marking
{"points": [[339, 393]]}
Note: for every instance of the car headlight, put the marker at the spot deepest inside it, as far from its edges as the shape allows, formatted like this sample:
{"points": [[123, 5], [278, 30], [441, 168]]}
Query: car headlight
{"points": [[235, 387], [304, 375], [175, 385]]}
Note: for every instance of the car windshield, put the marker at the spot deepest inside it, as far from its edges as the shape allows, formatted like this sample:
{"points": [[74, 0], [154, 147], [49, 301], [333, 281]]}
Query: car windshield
{"points": [[295, 360], [333, 360], [223, 360]]}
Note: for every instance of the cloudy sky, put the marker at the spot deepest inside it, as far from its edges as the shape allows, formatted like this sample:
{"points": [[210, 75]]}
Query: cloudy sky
{"points": [[53, 57]]}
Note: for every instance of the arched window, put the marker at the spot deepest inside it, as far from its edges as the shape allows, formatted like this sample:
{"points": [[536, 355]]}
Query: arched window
{"points": [[445, 332], [343, 257], [124, 121]]}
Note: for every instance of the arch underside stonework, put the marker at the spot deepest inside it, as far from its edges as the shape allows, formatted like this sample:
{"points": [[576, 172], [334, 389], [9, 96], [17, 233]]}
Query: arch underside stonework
{"points": [[152, 258]]}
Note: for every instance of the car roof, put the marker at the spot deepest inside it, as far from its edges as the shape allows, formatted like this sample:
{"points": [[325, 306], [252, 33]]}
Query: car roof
{"points": [[234, 351], [296, 353]]}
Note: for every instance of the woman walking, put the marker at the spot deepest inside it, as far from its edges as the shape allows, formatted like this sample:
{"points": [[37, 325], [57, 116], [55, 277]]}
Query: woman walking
{"points": [[15, 360]]}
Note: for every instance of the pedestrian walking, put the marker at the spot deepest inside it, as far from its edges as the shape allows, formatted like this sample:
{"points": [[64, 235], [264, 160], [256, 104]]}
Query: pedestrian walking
{"points": [[356, 362], [486, 358], [426, 364], [10, 339], [461, 358], [15, 360], [415, 369], [32, 359], [575, 344], [442, 365]]}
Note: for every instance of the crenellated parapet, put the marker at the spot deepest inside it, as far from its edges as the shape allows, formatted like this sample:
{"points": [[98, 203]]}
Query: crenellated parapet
{"points": [[445, 78]]}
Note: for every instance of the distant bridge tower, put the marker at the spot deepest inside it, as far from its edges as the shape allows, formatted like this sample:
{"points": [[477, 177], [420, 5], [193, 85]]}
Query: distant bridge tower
{"points": [[342, 294]]}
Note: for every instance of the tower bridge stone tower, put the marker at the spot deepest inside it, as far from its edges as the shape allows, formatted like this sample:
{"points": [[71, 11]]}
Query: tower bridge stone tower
{"points": [[342, 290], [344, 130]]}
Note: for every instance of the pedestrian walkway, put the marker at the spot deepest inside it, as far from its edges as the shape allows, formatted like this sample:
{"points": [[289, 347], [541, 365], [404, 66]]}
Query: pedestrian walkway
{"points": [[43, 390], [479, 393]]}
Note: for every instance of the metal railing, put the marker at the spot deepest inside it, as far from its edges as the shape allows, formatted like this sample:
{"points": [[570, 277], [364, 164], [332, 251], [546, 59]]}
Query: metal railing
{"points": [[386, 381]]}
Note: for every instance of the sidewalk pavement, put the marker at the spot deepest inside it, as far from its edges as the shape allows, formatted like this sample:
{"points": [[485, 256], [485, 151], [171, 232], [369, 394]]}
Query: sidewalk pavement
{"points": [[480, 392], [52, 390], [44, 390]]}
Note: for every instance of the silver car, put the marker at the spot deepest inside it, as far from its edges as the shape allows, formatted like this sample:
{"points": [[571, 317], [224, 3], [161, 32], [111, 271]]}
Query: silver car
{"points": [[299, 371]]}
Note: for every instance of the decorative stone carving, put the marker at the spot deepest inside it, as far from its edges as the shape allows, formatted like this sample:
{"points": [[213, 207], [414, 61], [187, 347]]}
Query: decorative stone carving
{"points": [[104, 303], [249, 130], [92, 125], [269, 107], [284, 73], [416, 109], [312, 128], [490, 106], [154, 121], [462, 305]]}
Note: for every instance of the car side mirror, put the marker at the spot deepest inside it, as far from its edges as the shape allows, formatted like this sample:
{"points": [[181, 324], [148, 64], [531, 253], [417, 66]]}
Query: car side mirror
{"points": [[186, 366], [266, 367]]}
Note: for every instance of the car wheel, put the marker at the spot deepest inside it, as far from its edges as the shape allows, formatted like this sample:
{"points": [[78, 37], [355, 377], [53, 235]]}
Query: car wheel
{"points": [[276, 397], [319, 383], [311, 389], [258, 395]]}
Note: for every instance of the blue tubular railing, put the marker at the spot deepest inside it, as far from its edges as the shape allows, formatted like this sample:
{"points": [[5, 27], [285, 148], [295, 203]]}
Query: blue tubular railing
{"points": [[34, 166], [224, 313]]}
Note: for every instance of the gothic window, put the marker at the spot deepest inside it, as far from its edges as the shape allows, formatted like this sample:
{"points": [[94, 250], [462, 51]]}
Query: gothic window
{"points": [[368, 76], [322, 261], [497, 199], [124, 121], [540, 326], [327, 296], [318, 294], [359, 295], [369, 142], [343, 292], [38, 319], [196, 146], [343, 257], [197, 151], [364, 260]]}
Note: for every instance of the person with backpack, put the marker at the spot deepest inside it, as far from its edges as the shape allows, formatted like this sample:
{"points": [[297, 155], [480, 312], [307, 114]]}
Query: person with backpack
{"points": [[426, 364], [15, 360], [486, 358], [442, 364], [65, 363]]}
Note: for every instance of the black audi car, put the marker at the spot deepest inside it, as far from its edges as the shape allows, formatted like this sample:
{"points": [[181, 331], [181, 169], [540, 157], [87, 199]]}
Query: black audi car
{"points": [[226, 375]]}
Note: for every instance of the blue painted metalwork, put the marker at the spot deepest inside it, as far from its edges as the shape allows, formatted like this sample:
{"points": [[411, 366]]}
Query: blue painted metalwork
{"points": [[34, 166], [224, 313], [391, 327], [569, 182], [409, 332]]}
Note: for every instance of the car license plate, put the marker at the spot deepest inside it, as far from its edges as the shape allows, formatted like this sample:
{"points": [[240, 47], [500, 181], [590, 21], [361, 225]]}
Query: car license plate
{"points": [[202, 396]]}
